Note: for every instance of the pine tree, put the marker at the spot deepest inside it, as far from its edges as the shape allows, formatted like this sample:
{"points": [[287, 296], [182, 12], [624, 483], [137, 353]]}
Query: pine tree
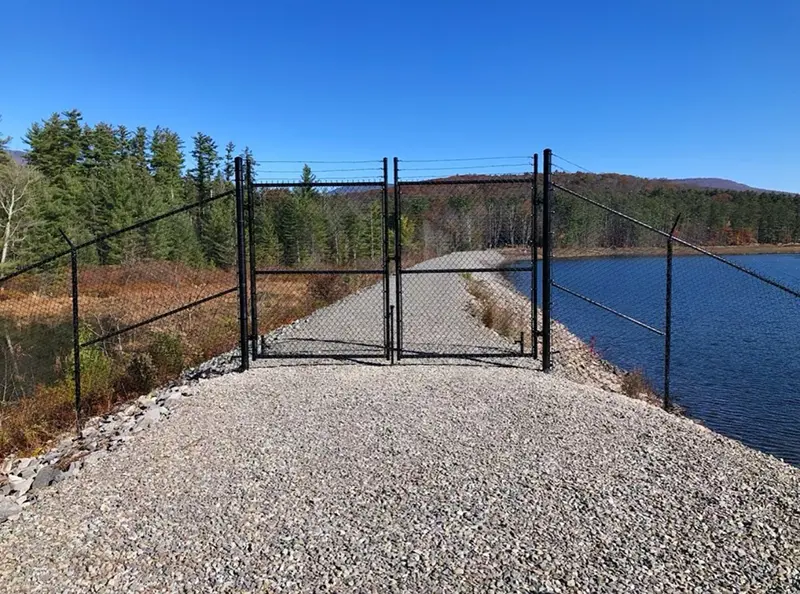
{"points": [[206, 161], [100, 147], [203, 174], [123, 136], [56, 145], [250, 160], [228, 169], [166, 157], [138, 148]]}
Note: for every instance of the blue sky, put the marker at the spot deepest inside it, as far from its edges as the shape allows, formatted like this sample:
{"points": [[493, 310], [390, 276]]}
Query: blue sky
{"points": [[661, 89]]}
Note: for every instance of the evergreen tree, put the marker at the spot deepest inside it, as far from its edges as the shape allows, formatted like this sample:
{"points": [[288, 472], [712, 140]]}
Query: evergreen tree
{"points": [[138, 148], [123, 136], [166, 158], [100, 147], [206, 161], [250, 160], [56, 145], [228, 169]]}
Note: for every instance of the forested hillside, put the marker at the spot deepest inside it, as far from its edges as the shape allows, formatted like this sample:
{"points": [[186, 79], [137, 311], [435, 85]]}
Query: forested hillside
{"points": [[708, 216]]}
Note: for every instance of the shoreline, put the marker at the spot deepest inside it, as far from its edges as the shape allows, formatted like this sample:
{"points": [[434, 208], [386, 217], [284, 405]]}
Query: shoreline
{"points": [[573, 358], [518, 253]]}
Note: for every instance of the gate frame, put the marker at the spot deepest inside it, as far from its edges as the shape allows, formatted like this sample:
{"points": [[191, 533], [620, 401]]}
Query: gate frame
{"points": [[400, 271], [256, 339]]}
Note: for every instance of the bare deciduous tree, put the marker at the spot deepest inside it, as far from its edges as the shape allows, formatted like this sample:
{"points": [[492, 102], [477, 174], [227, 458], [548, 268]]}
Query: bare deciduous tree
{"points": [[19, 185]]}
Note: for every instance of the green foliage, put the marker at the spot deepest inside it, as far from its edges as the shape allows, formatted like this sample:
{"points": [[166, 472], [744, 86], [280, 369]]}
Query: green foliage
{"points": [[140, 376], [167, 354], [96, 368]]}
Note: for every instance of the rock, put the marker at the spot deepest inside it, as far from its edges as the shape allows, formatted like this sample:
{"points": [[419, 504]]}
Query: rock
{"points": [[23, 463], [173, 401], [94, 457], [73, 470], [88, 432], [130, 411], [44, 477], [145, 400], [8, 508], [5, 490], [151, 415], [52, 456], [5, 467], [19, 485], [30, 471]]}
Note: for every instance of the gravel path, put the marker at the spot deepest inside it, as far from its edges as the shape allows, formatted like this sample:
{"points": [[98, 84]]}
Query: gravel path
{"points": [[437, 317], [454, 476]]}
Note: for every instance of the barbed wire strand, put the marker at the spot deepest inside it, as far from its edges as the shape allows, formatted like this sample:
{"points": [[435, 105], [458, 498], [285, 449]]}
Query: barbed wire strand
{"points": [[464, 159], [571, 163], [466, 168]]}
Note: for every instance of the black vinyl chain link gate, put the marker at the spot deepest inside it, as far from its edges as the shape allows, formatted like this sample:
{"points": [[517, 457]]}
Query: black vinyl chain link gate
{"points": [[368, 279]]}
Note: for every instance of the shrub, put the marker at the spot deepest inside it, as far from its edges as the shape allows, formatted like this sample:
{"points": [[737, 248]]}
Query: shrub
{"points": [[327, 288], [634, 384], [167, 355], [140, 376]]}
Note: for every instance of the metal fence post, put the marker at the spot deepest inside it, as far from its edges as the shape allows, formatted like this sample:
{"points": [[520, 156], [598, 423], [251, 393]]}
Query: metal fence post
{"points": [[240, 267], [251, 217], [387, 312], [547, 247], [535, 260], [398, 262], [76, 331], [668, 318]]}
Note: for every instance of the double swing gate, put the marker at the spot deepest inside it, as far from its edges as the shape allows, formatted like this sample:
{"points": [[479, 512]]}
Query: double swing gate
{"points": [[369, 269]]}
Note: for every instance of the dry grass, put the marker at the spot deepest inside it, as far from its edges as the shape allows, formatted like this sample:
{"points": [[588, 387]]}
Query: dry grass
{"points": [[116, 370], [506, 321]]}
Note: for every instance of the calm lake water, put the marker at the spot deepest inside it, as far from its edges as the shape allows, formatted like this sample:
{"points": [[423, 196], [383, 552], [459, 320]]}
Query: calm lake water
{"points": [[735, 341]]}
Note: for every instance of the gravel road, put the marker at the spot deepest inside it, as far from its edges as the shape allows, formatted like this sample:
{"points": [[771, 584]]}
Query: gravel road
{"points": [[436, 317], [439, 476]]}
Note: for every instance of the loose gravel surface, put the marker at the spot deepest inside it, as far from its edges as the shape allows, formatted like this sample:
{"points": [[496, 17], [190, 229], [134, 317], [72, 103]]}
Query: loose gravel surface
{"points": [[431, 475], [414, 478]]}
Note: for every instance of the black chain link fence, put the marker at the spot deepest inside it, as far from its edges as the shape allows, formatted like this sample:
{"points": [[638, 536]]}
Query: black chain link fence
{"points": [[114, 317], [735, 297]]}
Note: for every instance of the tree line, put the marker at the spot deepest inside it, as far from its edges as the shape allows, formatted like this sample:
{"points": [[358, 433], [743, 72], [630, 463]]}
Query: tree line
{"points": [[90, 180], [707, 216]]}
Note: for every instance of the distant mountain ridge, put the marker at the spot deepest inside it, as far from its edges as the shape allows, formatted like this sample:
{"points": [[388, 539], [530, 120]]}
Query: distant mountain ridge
{"points": [[717, 183], [18, 156]]}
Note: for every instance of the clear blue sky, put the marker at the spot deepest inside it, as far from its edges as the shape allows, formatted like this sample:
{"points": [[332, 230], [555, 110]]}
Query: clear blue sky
{"points": [[663, 89]]}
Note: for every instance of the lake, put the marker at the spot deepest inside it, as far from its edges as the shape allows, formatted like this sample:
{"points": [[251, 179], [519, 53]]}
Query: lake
{"points": [[735, 340]]}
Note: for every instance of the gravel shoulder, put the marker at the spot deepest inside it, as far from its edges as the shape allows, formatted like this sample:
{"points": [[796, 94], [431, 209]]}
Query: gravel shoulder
{"points": [[413, 478]]}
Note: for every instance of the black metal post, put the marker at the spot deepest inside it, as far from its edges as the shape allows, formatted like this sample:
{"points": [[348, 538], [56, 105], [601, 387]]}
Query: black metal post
{"points": [[391, 332], [547, 240], [668, 318], [535, 260], [388, 343], [76, 331], [398, 263], [240, 267], [251, 238]]}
